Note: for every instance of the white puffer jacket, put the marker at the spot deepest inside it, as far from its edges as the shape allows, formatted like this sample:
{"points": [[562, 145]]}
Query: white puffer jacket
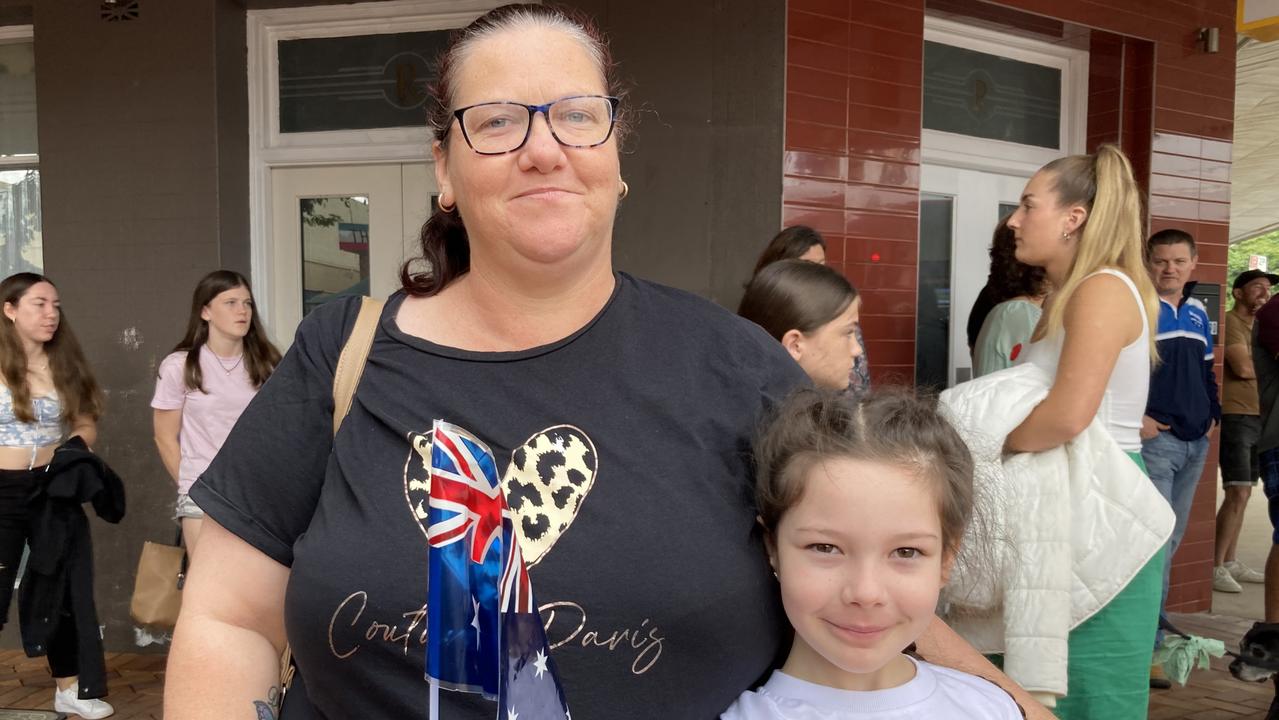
{"points": [[1057, 534]]}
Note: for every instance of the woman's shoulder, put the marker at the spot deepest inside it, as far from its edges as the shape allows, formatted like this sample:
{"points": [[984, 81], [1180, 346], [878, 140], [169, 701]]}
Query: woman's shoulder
{"points": [[325, 328], [693, 313], [706, 327], [1017, 306]]}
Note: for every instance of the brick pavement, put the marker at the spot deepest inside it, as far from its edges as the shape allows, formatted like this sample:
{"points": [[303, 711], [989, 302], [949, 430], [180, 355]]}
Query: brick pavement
{"points": [[136, 683], [1215, 694]]}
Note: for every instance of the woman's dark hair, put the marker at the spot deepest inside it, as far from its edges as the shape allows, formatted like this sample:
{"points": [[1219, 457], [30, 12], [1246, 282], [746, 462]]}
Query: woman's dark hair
{"points": [[77, 389], [788, 244], [260, 356], [893, 427], [1008, 277], [446, 250], [795, 295]]}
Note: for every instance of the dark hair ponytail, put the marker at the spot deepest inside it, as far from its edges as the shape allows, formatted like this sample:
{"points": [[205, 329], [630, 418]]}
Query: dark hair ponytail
{"points": [[446, 251]]}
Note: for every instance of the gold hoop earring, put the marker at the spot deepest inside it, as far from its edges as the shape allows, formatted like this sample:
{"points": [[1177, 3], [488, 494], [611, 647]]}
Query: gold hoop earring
{"points": [[446, 208], [626, 190]]}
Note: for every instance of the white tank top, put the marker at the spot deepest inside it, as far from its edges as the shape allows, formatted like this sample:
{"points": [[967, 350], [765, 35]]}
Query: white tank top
{"points": [[1124, 402]]}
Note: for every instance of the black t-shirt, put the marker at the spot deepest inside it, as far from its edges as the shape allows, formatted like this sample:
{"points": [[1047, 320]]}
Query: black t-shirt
{"points": [[625, 449]]}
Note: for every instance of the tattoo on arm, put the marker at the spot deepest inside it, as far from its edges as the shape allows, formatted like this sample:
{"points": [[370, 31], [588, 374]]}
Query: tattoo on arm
{"points": [[268, 710]]}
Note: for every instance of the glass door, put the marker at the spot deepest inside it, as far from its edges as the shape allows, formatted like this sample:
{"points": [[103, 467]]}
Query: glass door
{"points": [[341, 231], [958, 212]]}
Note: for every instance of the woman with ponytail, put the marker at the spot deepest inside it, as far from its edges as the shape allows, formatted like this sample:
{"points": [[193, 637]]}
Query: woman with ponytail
{"points": [[1080, 219], [206, 382]]}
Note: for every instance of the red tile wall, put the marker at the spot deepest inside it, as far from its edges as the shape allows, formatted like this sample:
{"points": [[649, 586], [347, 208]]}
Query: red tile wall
{"points": [[1190, 190], [853, 103], [852, 151]]}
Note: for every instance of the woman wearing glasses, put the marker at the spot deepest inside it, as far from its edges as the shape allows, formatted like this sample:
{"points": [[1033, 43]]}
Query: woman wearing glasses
{"points": [[618, 411], [620, 414]]}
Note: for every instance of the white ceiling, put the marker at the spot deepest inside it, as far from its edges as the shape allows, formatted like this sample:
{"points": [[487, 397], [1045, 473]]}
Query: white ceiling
{"points": [[1254, 175]]}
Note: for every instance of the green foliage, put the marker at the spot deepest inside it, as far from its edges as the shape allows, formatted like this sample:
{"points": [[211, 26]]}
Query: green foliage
{"points": [[1237, 261]]}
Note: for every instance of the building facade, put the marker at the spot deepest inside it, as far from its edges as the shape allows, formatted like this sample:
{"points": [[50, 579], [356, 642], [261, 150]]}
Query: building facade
{"points": [[178, 136]]}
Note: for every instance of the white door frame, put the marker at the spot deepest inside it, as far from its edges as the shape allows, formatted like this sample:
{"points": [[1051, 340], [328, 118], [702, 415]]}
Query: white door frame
{"points": [[18, 34], [954, 150], [945, 156], [269, 149], [979, 206]]}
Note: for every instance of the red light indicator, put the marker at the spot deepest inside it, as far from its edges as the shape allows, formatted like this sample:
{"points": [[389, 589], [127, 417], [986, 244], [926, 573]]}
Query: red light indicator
{"points": [[874, 257]]}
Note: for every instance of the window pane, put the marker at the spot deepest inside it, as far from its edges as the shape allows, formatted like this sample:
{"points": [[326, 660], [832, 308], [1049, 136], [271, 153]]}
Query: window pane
{"points": [[17, 99], [21, 244], [932, 313], [988, 96], [335, 248], [356, 83]]}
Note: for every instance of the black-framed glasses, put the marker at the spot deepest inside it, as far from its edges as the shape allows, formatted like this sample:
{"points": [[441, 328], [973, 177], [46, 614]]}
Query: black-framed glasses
{"points": [[497, 128]]}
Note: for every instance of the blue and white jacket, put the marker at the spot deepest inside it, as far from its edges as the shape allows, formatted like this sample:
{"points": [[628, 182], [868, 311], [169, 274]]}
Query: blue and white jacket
{"points": [[1183, 387]]}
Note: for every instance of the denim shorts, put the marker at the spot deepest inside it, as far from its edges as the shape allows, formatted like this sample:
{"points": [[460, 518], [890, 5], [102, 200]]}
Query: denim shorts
{"points": [[185, 507], [1238, 455], [1270, 484]]}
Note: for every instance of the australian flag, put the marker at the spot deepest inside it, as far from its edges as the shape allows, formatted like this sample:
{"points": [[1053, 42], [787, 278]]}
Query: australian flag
{"points": [[485, 634]]}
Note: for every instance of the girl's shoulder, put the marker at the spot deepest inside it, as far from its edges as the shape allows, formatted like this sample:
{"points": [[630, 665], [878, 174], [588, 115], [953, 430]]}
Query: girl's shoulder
{"points": [[979, 696], [177, 359]]}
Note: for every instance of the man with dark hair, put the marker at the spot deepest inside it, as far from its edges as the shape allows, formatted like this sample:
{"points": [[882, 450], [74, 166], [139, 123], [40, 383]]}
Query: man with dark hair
{"points": [[1240, 428], [1182, 407]]}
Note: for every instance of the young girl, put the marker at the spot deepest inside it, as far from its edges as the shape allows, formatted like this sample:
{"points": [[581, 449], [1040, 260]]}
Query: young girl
{"points": [[800, 242], [206, 382], [48, 395], [813, 311], [863, 503]]}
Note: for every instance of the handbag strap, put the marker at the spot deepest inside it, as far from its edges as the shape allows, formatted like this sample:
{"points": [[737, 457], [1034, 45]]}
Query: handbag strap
{"points": [[351, 362], [345, 379], [182, 571]]}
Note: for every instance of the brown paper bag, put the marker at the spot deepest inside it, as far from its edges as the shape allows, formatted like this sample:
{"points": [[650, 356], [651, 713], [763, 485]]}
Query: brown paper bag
{"points": [[157, 590]]}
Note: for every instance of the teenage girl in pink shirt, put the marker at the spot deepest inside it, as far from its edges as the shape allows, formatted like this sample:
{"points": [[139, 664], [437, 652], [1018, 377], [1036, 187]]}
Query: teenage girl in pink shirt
{"points": [[206, 382]]}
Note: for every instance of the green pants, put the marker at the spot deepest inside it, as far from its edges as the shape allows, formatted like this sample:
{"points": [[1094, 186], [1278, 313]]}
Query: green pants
{"points": [[1109, 654]]}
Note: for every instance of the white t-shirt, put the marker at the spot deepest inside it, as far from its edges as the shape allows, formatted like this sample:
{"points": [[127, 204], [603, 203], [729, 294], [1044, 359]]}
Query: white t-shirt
{"points": [[207, 418], [934, 693]]}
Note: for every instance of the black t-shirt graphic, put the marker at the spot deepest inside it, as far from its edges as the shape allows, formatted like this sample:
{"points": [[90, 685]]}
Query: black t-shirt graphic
{"points": [[623, 447]]}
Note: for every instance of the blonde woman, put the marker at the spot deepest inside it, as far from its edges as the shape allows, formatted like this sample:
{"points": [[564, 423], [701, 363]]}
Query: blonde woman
{"points": [[1080, 220]]}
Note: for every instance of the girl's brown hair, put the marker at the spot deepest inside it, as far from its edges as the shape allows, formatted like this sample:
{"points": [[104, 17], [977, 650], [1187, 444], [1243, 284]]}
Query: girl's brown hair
{"points": [[77, 389], [795, 295], [445, 248], [260, 356], [893, 427], [788, 244]]}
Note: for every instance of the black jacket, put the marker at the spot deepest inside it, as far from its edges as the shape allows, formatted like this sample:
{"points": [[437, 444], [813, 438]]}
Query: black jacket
{"points": [[58, 584]]}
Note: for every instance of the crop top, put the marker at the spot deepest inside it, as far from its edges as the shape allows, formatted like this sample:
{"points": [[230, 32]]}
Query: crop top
{"points": [[48, 429]]}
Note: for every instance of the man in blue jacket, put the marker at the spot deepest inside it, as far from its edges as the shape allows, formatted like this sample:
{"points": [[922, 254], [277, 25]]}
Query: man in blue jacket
{"points": [[1182, 409]]}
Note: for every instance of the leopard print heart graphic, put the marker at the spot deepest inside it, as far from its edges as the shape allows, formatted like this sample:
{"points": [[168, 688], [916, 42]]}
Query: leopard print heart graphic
{"points": [[547, 480]]}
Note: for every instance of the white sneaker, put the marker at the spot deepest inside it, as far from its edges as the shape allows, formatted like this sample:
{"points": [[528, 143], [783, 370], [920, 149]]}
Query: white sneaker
{"points": [[66, 701], [1244, 574], [1222, 581]]}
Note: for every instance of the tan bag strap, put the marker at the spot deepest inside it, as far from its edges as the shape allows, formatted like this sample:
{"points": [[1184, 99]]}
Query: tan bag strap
{"points": [[347, 375], [351, 361]]}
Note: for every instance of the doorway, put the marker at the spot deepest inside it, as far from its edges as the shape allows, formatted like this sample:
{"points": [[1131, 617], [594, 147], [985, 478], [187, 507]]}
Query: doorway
{"points": [[340, 231], [958, 212]]}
